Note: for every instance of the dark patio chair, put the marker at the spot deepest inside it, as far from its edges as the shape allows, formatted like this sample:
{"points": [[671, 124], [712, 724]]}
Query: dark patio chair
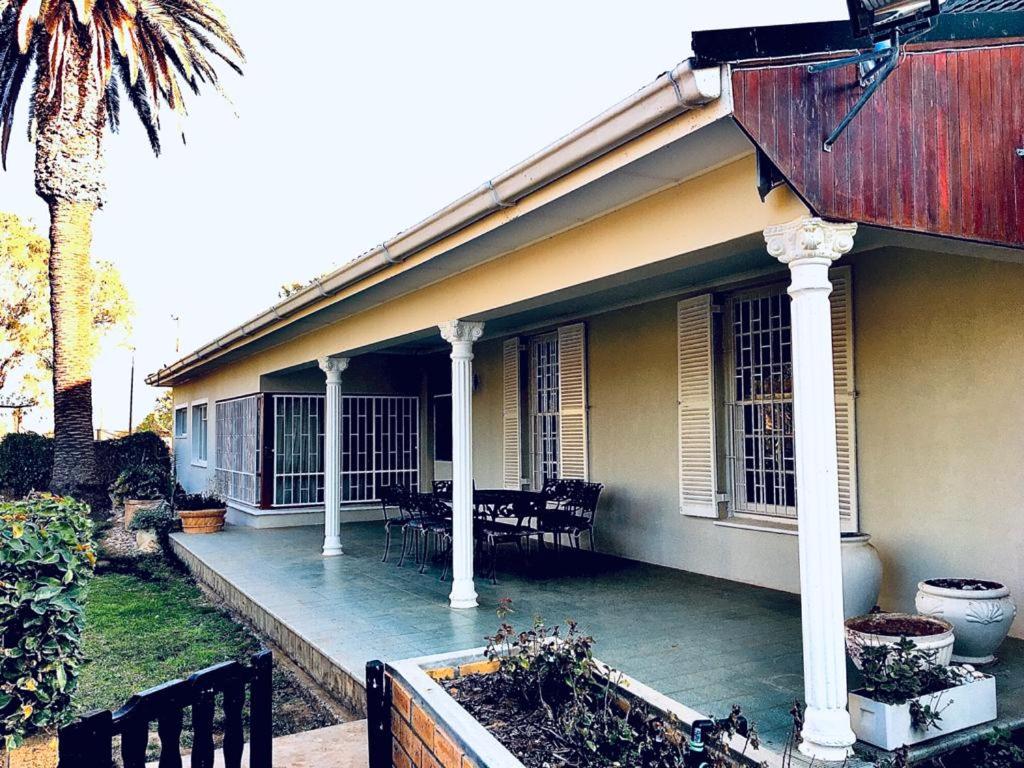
{"points": [[442, 489], [392, 502], [571, 512], [430, 523], [503, 518]]}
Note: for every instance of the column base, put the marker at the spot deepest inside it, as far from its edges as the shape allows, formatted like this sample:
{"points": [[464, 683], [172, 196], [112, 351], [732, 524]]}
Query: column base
{"points": [[463, 594], [827, 735], [332, 546]]}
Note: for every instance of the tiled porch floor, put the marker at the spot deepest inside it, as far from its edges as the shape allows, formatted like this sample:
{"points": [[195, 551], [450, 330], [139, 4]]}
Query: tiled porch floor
{"points": [[706, 642]]}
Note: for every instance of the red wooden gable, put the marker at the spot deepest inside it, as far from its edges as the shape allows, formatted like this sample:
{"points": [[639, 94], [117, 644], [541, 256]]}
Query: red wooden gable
{"points": [[935, 150]]}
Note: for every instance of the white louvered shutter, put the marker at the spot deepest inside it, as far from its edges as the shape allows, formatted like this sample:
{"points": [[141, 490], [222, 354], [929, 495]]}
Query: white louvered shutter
{"points": [[697, 450], [511, 452], [845, 392], [572, 403]]}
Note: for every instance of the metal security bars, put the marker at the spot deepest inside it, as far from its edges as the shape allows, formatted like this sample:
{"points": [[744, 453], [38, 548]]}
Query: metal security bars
{"points": [[298, 450], [544, 408], [238, 449], [380, 445], [761, 452]]}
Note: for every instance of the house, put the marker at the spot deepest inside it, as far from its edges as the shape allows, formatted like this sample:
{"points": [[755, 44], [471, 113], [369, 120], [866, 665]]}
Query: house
{"points": [[688, 300]]}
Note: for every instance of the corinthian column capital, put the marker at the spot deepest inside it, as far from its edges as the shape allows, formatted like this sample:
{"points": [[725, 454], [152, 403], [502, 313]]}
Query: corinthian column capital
{"points": [[333, 366], [455, 331], [809, 239]]}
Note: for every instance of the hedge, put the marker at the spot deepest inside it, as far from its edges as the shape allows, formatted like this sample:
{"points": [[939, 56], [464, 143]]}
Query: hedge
{"points": [[25, 463], [46, 558], [26, 460]]}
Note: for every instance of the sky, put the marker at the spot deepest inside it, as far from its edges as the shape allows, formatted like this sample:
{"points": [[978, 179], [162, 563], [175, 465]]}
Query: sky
{"points": [[351, 123]]}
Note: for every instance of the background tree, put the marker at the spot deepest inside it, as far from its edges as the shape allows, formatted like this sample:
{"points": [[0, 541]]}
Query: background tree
{"points": [[161, 419], [87, 54], [26, 341]]}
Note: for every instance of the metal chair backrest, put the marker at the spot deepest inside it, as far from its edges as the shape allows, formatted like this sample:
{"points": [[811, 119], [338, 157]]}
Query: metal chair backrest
{"points": [[392, 497], [584, 500], [442, 489]]}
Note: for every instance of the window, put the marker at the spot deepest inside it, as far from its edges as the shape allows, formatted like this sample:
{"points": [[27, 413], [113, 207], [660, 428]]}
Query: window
{"points": [[544, 408], [298, 450], [237, 457], [443, 428], [181, 421], [761, 451], [380, 444], [199, 434]]}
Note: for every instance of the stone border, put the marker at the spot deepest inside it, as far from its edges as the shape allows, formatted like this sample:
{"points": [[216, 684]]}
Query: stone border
{"points": [[429, 729], [335, 679]]}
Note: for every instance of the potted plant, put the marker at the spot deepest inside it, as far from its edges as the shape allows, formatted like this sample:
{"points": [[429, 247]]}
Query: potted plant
{"points": [[908, 698], [927, 633], [200, 512], [151, 526], [980, 611], [140, 486]]}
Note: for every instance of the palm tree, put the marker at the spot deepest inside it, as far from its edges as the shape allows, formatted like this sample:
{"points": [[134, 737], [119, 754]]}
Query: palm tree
{"points": [[85, 55]]}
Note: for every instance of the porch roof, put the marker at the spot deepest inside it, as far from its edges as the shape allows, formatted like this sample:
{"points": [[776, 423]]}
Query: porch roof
{"points": [[596, 168], [706, 642]]}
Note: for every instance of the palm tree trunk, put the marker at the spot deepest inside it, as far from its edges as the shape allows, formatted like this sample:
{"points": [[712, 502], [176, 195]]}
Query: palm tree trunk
{"points": [[74, 461], [70, 119]]}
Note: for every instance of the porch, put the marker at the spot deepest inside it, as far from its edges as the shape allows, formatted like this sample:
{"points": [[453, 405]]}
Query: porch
{"points": [[704, 641]]}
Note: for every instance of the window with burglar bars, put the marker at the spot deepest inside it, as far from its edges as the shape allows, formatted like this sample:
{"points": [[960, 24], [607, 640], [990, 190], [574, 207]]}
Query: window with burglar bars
{"points": [[298, 450], [544, 408], [238, 449], [380, 445], [761, 452]]}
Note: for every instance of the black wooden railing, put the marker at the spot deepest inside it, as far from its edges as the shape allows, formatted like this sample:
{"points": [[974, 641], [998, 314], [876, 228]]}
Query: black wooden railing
{"points": [[88, 742]]}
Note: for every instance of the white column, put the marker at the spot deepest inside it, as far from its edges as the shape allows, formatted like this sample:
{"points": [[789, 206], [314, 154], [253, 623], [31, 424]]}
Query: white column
{"points": [[809, 246], [461, 336], [333, 367]]}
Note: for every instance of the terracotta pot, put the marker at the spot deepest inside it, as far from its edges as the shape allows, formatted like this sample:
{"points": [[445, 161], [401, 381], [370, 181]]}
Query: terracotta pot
{"points": [[935, 635], [862, 574], [202, 520], [39, 751], [981, 613], [132, 506]]}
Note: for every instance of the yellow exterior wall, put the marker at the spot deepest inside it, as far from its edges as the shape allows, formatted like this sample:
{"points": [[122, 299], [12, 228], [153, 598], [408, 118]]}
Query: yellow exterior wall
{"points": [[939, 346], [940, 418]]}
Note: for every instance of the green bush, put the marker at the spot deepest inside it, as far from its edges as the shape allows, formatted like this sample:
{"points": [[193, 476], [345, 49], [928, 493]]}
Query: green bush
{"points": [[25, 463], [188, 502], [142, 481], [158, 518], [141, 449], [46, 558]]}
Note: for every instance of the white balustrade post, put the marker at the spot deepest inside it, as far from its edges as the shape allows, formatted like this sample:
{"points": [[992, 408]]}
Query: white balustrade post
{"points": [[461, 336], [333, 367], [809, 246]]}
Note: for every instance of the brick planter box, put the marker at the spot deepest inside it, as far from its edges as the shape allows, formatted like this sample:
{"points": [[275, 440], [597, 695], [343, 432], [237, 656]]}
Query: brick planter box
{"points": [[414, 723]]}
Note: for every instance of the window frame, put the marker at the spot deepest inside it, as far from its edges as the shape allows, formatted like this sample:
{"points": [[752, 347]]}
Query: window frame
{"points": [[537, 477], [193, 432], [779, 515], [184, 408]]}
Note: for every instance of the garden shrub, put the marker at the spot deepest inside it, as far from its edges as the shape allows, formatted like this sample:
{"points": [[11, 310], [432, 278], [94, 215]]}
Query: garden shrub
{"points": [[142, 481], [140, 449], [26, 461], [46, 558]]}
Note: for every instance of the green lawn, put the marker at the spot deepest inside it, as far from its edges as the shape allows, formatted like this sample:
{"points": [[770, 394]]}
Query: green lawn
{"points": [[147, 623]]}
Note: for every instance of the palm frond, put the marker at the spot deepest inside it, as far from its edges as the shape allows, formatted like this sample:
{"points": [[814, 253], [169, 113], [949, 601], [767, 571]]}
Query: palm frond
{"points": [[14, 65], [113, 101], [140, 101]]}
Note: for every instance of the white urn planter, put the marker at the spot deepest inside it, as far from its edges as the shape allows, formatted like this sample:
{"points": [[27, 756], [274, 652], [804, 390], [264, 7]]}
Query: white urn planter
{"points": [[926, 632], [890, 726], [862, 574], [981, 613]]}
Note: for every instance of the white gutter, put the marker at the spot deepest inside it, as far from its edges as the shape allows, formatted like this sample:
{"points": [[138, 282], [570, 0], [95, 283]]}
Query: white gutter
{"points": [[673, 93]]}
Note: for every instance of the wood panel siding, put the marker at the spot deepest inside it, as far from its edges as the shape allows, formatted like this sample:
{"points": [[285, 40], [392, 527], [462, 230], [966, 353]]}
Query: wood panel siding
{"points": [[935, 150]]}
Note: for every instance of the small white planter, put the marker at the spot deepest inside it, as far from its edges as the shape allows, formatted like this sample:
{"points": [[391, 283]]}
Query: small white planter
{"points": [[940, 642], [889, 727], [981, 613]]}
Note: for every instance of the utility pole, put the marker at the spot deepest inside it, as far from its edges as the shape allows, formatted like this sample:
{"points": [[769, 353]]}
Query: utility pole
{"points": [[177, 333], [131, 392]]}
